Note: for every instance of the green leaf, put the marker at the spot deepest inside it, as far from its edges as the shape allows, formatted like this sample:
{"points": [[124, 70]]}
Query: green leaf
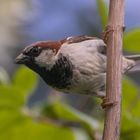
{"points": [[130, 111], [102, 12], [130, 129], [15, 124], [130, 91], [59, 111], [24, 128], [25, 79], [11, 97], [131, 100], [132, 41]]}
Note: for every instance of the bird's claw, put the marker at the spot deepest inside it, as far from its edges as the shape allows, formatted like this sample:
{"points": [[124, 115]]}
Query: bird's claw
{"points": [[106, 103], [106, 33]]}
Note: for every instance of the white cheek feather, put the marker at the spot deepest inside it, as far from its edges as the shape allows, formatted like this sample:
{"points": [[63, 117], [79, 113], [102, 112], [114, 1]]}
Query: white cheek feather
{"points": [[46, 59]]}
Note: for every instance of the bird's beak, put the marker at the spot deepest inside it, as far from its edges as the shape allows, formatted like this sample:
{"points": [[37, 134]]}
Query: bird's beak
{"points": [[21, 59]]}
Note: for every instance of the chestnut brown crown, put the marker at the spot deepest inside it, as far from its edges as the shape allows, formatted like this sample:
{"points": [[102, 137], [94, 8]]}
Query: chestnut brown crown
{"points": [[34, 50]]}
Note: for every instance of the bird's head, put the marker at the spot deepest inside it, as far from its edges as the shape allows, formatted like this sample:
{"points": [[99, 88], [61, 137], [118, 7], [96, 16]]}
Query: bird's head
{"points": [[40, 54]]}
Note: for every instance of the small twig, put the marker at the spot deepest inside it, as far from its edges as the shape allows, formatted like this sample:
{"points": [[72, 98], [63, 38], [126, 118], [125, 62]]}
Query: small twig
{"points": [[114, 69]]}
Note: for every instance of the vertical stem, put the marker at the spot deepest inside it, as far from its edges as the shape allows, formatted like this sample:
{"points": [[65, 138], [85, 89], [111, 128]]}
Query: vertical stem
{"points": [[114, 69]]}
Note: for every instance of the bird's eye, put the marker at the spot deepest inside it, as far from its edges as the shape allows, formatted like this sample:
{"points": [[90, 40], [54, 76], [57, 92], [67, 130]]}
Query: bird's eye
{"points": [[35, 51]]}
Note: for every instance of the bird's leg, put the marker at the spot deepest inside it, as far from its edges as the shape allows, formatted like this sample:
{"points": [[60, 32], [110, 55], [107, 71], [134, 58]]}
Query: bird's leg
{"points": [[108, 30], [106, 33], [106, 103]]}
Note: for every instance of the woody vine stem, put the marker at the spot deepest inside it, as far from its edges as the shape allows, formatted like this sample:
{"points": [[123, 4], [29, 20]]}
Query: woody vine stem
{"points": [[114, 72]]}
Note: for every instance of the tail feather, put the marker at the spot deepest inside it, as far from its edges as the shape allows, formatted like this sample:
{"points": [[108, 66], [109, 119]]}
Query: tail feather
{"points": [[133, 57], [136, 66]]}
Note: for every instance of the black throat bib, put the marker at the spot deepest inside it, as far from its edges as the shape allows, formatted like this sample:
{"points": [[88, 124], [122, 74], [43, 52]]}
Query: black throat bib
{"points": [[60, 75]]}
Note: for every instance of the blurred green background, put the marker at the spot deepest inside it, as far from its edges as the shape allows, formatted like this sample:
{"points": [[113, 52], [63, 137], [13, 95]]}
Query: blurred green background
{"points": [[29, 109]]}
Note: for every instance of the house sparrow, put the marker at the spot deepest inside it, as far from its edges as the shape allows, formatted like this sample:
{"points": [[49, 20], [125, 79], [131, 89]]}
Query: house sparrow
{"points": [[72, 65]]}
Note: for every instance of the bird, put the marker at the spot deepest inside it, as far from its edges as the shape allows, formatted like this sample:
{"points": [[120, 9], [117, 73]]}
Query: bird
{"points": [[75, 64]]}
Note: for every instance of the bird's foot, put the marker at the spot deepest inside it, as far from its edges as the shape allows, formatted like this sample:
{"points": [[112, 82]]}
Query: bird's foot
{"points": [[106, 33], [108, 30], [106, 103]]}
